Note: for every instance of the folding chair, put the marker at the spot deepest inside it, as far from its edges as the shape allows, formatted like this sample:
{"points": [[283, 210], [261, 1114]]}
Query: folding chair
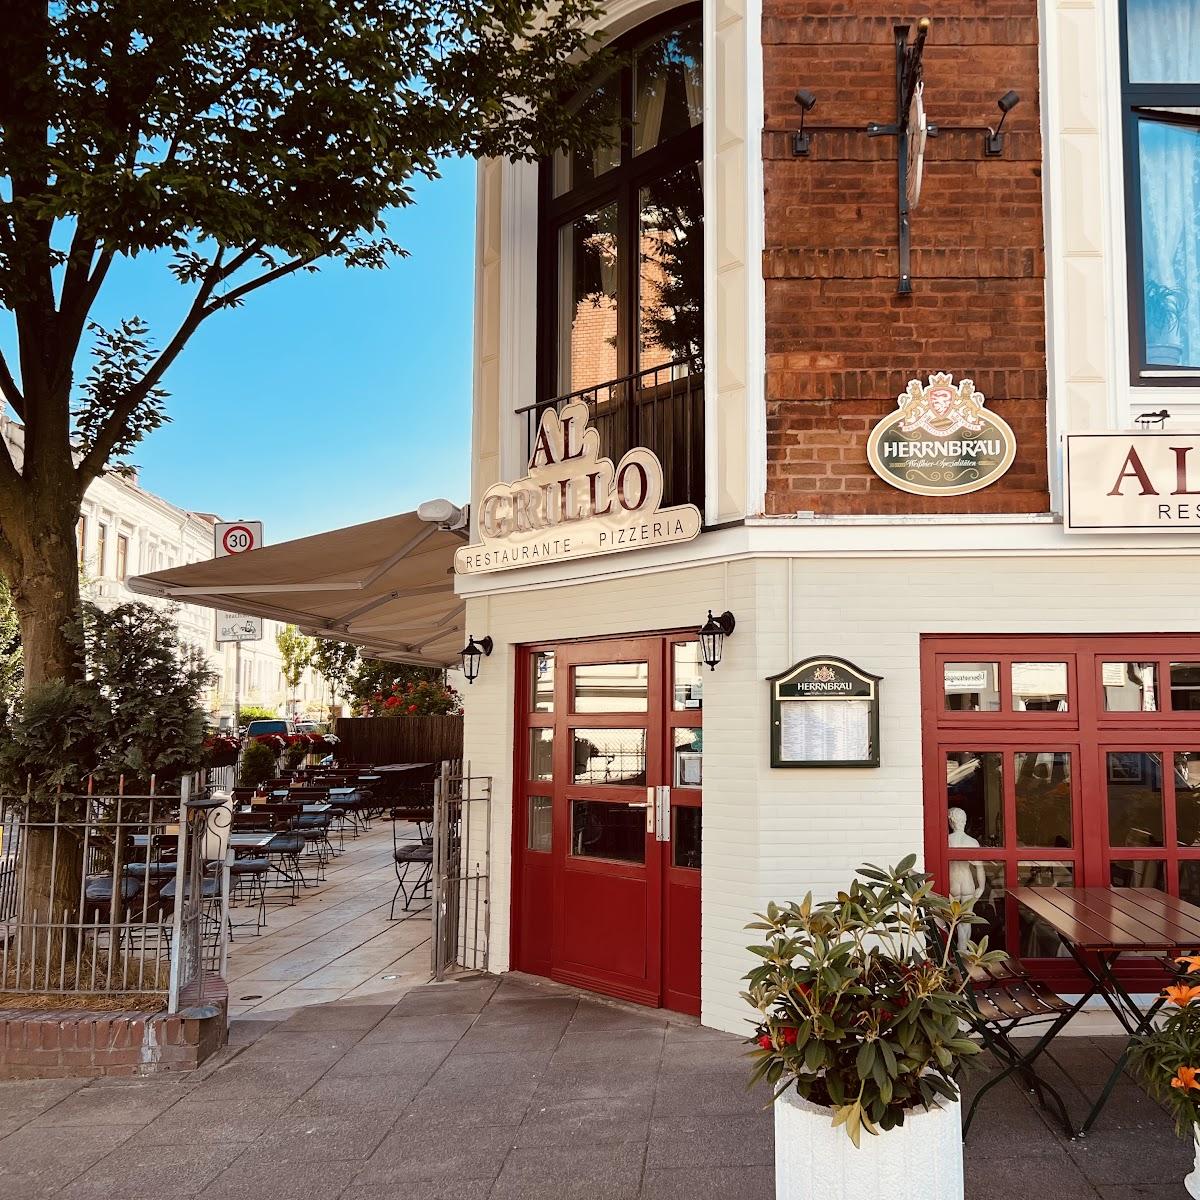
{"points": [[1003, 998], [414, 870]]}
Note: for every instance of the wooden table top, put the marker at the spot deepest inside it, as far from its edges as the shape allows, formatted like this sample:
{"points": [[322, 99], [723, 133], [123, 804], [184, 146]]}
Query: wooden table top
{"points": [[1120, 919]]}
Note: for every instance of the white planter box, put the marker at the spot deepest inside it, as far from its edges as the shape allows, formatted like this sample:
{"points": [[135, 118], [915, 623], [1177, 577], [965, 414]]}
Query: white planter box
{"points": [[1192, 1179], [922, 1160]]}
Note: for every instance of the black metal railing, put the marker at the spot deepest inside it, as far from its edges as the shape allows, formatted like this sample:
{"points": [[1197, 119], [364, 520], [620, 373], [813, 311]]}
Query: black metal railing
{"points": [[661, 408]]}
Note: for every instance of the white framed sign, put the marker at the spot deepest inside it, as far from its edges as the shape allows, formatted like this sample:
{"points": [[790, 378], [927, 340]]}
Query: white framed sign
{"points": [[233, 627], [574, 504], [1126, 482], [236, 537]]}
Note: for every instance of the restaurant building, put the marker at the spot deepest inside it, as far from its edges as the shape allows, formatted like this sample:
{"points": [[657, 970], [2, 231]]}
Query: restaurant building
{"points": [[865, 358]]}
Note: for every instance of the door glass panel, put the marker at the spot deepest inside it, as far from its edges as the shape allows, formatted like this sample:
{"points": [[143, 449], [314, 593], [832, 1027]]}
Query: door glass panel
{"points": [[1135, 798], [610, 756], [974, 798], [1043, 794], [542, 681], [985, 882], [540, 823], [971, 687], [1163, 36], [689, 683], [1187, 797], [1039, 686], [603, 830], [587, 302], [1138, 872], [668, 87], [689, 757], [585, 165], [1130, 686], [1189, 880], [685, 837], [1185, 687], [612, 687], [670, 271], [541, 754], [1038, 938]]}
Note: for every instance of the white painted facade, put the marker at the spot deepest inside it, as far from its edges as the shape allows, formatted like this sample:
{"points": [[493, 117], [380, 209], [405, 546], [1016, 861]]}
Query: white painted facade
{"points": [[865, 588]]}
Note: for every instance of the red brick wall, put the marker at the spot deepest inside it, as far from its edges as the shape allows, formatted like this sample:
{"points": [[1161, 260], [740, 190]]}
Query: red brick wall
{"points": [[841, 343]]}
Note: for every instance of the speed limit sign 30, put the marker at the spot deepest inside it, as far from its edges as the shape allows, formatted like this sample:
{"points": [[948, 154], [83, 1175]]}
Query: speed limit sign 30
{"points": [[236, 537]]}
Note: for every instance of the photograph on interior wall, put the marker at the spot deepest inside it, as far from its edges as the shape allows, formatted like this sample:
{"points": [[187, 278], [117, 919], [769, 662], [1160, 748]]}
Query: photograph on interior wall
{"points": [[824, 713]]}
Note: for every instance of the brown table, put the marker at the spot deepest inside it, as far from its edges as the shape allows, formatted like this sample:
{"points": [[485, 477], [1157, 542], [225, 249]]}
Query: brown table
{"points": [[1098, 926]]}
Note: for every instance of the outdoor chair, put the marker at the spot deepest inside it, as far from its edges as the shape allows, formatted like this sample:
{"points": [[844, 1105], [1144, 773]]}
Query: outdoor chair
{"points": [[414, 870], [1006, 1001]]}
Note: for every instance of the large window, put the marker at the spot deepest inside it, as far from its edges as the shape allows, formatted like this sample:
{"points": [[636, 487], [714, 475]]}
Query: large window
{"points": [[621, 227], [1161, 100]]}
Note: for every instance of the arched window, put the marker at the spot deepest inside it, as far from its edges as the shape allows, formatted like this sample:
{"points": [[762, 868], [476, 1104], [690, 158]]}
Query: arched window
{"points": [[621, 249]]}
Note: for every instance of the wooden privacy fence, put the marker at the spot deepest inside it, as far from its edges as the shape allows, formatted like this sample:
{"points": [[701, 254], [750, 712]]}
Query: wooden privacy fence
{"points": [[382, 740]]}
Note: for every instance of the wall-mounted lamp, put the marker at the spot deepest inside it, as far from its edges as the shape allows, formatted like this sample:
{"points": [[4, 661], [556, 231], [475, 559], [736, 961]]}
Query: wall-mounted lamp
{"points": [[473, 653], [712, 635], [993, 142], [800, 144]]}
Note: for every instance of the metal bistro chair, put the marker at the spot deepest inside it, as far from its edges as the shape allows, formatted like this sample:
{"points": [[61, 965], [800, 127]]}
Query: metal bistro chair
{"points": [[414, 865], [214, 844], [1005, 998]]}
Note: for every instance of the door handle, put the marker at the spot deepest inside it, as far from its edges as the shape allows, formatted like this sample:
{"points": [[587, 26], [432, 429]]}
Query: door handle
{"points": [[650, 806], [662, 802]]}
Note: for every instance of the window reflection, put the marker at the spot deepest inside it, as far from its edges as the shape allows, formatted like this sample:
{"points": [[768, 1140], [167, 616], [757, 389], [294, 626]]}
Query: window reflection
{"points": [[668, 87], [610, 756], [612, 687], [600, 829], [971, 687], [1138, 872], [1039, 686], [1130, 686], [973, 787], [1135, 798], [685, 837], [541, 754], [1185, 687], [1187, 797], [670, 268], [585, 165], [540, 823], [588, 295], [689, 682], [1037, 938], [689, 757], [542, 681], [1043, 795]]}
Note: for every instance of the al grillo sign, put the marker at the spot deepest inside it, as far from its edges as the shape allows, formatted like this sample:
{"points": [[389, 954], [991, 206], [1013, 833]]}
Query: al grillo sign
{"points": [[1115, 482], [574, 504]]}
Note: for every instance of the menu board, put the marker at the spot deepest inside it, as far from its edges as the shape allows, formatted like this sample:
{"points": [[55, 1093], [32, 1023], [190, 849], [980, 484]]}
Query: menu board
{"points": [[825, 713]]}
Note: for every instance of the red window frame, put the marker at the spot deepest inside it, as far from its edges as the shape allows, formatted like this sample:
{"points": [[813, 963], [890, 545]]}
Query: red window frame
{"points": [[1086, 730]]}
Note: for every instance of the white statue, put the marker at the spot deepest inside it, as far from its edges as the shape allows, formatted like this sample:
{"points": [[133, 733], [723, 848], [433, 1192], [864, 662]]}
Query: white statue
{"points": [[967, 880]]}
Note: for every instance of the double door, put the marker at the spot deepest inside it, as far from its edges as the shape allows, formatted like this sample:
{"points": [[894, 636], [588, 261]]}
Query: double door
{"points": [[609, 763]]}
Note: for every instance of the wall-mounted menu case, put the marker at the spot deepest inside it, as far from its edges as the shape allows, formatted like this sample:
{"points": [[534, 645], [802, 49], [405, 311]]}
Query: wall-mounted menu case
{"points": [[825, 713]]}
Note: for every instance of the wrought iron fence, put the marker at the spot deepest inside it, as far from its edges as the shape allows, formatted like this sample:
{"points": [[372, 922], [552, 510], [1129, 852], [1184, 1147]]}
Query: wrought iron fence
{"points": [[661, 408], [114, 892], [462, 835]]}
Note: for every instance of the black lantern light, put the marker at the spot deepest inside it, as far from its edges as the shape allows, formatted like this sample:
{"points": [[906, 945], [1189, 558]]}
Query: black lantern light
{"points": [[712, 635], [472, 654]]}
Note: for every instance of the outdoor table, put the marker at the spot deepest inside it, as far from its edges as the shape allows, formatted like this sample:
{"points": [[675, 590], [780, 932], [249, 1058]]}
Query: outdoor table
{"points": [[239, 841], [317, 807], [1098, 926]]}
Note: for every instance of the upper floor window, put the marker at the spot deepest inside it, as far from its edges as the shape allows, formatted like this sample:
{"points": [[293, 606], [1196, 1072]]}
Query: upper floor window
{"points": [[122, 556], [1161, 103], [621, 239], [101, 549]]}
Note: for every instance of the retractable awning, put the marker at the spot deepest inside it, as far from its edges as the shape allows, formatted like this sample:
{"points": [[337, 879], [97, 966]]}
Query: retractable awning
{"points": [[387, 586]]}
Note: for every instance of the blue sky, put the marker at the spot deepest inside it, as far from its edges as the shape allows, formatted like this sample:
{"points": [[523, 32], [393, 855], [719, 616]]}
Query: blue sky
{"points": [[329, 398]]}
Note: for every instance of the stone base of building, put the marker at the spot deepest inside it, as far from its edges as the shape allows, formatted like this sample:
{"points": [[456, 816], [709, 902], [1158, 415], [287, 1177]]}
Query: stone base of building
{"points": [[62, 1044]]}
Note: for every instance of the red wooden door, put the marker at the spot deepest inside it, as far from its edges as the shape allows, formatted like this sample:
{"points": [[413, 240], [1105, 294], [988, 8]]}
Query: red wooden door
{"points": [[607, 824]]}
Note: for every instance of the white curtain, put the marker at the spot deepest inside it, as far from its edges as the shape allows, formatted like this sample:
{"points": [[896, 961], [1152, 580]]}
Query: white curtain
{"points": [[1164, 47], [651, 100]]}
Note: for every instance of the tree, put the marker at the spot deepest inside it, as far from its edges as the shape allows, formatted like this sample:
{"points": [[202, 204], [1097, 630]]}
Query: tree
{"points": [[296, 651], [335, 663], [376, 677], [247, 142], [10, 647]]}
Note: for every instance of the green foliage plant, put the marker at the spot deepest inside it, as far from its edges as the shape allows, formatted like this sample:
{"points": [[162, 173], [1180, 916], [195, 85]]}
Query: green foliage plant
{"points": [[858, 1009], [1168, 1058], [258, 764]]}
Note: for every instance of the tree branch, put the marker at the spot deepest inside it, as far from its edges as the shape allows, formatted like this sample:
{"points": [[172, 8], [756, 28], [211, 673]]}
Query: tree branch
{"points": [[8, 386], [280, 272]]}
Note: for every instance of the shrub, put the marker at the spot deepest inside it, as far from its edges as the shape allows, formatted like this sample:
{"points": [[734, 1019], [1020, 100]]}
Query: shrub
{"points": [[858, 1012], [1168, 1059], [258, 764]]}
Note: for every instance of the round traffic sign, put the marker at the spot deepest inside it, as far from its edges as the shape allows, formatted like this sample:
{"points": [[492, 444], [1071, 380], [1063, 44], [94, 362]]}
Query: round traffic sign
{"points": [[237, 539]]}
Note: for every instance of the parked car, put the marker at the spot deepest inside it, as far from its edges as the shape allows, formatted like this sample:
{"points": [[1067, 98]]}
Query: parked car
{"points": [[262, 727]]}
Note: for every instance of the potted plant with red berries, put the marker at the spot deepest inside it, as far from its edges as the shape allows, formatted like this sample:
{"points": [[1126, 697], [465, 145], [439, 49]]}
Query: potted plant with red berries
{"points": [[859, 1030], [1168, 1059]]}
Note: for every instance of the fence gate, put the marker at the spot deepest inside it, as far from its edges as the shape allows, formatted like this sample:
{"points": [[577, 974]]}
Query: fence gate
{"points": [[462, 836]]}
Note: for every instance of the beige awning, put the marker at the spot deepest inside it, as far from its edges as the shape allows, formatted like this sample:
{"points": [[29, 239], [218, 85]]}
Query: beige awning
{"points": [[387, 586]]}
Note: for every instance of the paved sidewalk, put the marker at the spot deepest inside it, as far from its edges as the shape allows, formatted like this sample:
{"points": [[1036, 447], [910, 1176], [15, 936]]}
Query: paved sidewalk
{"points": [[506, 1090]]}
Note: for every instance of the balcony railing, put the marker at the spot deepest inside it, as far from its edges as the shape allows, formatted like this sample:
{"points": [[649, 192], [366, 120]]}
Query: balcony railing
{"points": [[661, 408]]}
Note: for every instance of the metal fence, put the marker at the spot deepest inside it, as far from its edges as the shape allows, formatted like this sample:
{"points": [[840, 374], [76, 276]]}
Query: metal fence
{"points": [[114, 893], [462, 835]]}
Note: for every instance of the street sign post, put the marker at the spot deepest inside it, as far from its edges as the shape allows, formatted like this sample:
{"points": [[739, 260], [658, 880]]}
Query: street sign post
{"points": [[237, 537]]}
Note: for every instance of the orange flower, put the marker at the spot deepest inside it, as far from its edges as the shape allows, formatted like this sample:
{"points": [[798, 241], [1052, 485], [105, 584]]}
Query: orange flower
{"points": [[1181, 994], [1192, 960], [1185, 1079]]}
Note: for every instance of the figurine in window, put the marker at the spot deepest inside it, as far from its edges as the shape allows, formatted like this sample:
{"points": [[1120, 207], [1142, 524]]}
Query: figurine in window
{"points": [[967, 880]]}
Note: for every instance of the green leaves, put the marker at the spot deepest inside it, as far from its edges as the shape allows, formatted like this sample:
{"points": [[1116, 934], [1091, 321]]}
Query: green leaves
{"points": [[876, 1014]]}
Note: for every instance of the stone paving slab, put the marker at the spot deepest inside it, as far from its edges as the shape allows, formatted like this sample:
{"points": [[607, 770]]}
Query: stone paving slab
{"points": [[511, 1089]]}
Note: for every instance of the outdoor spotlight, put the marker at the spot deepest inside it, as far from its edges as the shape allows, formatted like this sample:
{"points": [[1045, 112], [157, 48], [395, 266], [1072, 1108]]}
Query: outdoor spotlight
{"points": [[473, 653], [993, 142], [800, 141], [712, 635], [443, 513]]}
